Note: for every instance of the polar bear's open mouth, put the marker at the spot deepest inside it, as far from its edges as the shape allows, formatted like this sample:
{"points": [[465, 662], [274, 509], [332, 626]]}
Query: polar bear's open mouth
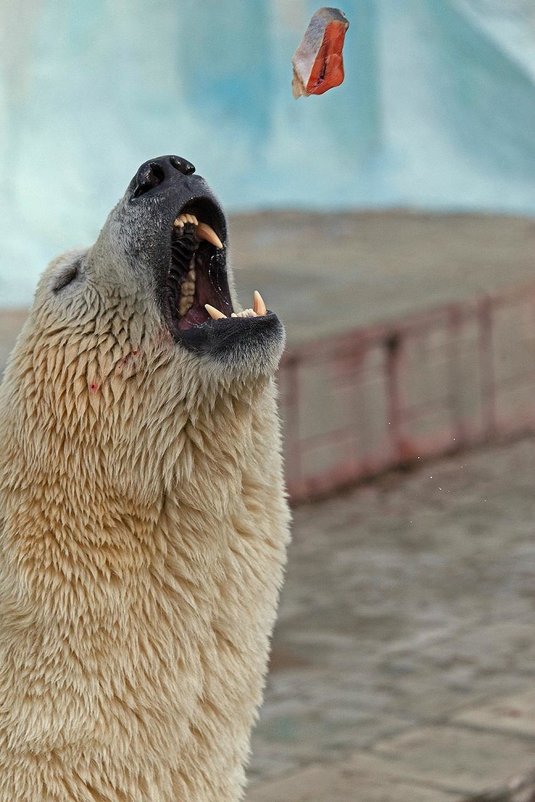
{"points": [[197, 290], [197, 271], [181, 239]]}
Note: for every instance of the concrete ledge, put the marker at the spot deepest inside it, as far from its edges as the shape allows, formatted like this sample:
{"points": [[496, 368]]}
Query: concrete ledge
{"points": [[389, 395]]}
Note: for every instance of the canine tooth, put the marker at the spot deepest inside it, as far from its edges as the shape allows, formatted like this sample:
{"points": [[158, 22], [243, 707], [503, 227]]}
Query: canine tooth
{"points": [[258, 303], [214, 313], [204, 231]]}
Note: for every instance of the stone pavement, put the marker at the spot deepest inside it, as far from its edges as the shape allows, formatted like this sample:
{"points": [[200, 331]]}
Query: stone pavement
{"points": [[404, 657]]}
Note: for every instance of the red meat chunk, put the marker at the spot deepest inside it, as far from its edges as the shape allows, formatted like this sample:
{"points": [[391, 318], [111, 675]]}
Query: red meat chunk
{"points": [[318, 62]]}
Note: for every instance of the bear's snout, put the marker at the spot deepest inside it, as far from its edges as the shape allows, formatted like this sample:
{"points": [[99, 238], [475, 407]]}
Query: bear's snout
{"points": [[157, 172]]}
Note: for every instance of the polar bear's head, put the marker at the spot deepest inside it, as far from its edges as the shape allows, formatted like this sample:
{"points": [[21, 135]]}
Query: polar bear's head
{"points": [[119, 346], [159, 260]]}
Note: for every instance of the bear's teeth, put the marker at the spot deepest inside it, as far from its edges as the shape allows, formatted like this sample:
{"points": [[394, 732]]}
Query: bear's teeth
{"points": [[258, 303], [182, 219], [214, 313], [245, 313], [203, 230], [259, 309], [185, 306], [187, 293]]}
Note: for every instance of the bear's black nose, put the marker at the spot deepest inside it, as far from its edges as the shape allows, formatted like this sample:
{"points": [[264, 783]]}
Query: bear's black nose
{"points": [[155, 171]]}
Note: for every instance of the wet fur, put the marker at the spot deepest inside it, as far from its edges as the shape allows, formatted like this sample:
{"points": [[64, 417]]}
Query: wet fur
{"points": [[143, 528]]}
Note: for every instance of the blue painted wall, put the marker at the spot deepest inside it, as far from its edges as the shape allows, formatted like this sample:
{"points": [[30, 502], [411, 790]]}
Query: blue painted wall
{"points": [[437, 110]]}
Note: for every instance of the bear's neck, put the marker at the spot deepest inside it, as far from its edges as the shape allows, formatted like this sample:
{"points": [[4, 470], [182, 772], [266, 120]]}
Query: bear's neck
{"points": [[71, 525]]}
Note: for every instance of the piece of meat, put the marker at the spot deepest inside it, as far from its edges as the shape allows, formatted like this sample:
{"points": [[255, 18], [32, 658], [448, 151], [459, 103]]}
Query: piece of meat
{"points": [[318, 63]]}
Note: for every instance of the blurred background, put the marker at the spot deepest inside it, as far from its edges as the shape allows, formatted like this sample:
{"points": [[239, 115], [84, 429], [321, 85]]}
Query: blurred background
{"points": [[391, 224], [436, 112]]}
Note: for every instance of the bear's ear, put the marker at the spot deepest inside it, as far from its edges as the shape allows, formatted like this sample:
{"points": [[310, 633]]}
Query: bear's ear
{"points": [[66, 276]]}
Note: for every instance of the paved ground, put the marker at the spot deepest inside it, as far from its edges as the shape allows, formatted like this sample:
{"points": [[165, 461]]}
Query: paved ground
{"points": [[404, 658]]}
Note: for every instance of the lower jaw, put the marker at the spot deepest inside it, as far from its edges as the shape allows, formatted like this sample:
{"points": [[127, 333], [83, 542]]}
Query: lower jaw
{"points": [[199, 313], [237, 342]]}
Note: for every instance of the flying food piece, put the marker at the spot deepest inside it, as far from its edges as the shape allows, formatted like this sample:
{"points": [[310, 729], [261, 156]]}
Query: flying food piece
{"points": [[318, 63]]}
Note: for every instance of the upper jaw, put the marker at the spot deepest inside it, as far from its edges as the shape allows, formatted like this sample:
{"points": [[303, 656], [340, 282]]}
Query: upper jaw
{"points": [[196, 270], [197, 301], [164, 237]]}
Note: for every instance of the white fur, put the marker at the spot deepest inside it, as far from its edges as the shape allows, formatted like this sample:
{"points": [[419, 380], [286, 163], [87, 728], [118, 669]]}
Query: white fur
{"points": [[143, 528]]}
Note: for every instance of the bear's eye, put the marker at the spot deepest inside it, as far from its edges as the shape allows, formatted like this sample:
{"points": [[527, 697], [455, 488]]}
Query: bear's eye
{"points": [[66, 276]]}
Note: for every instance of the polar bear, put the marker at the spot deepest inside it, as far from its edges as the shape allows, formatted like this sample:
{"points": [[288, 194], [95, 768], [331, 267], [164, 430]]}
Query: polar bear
{"points": [[143, 520]]}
